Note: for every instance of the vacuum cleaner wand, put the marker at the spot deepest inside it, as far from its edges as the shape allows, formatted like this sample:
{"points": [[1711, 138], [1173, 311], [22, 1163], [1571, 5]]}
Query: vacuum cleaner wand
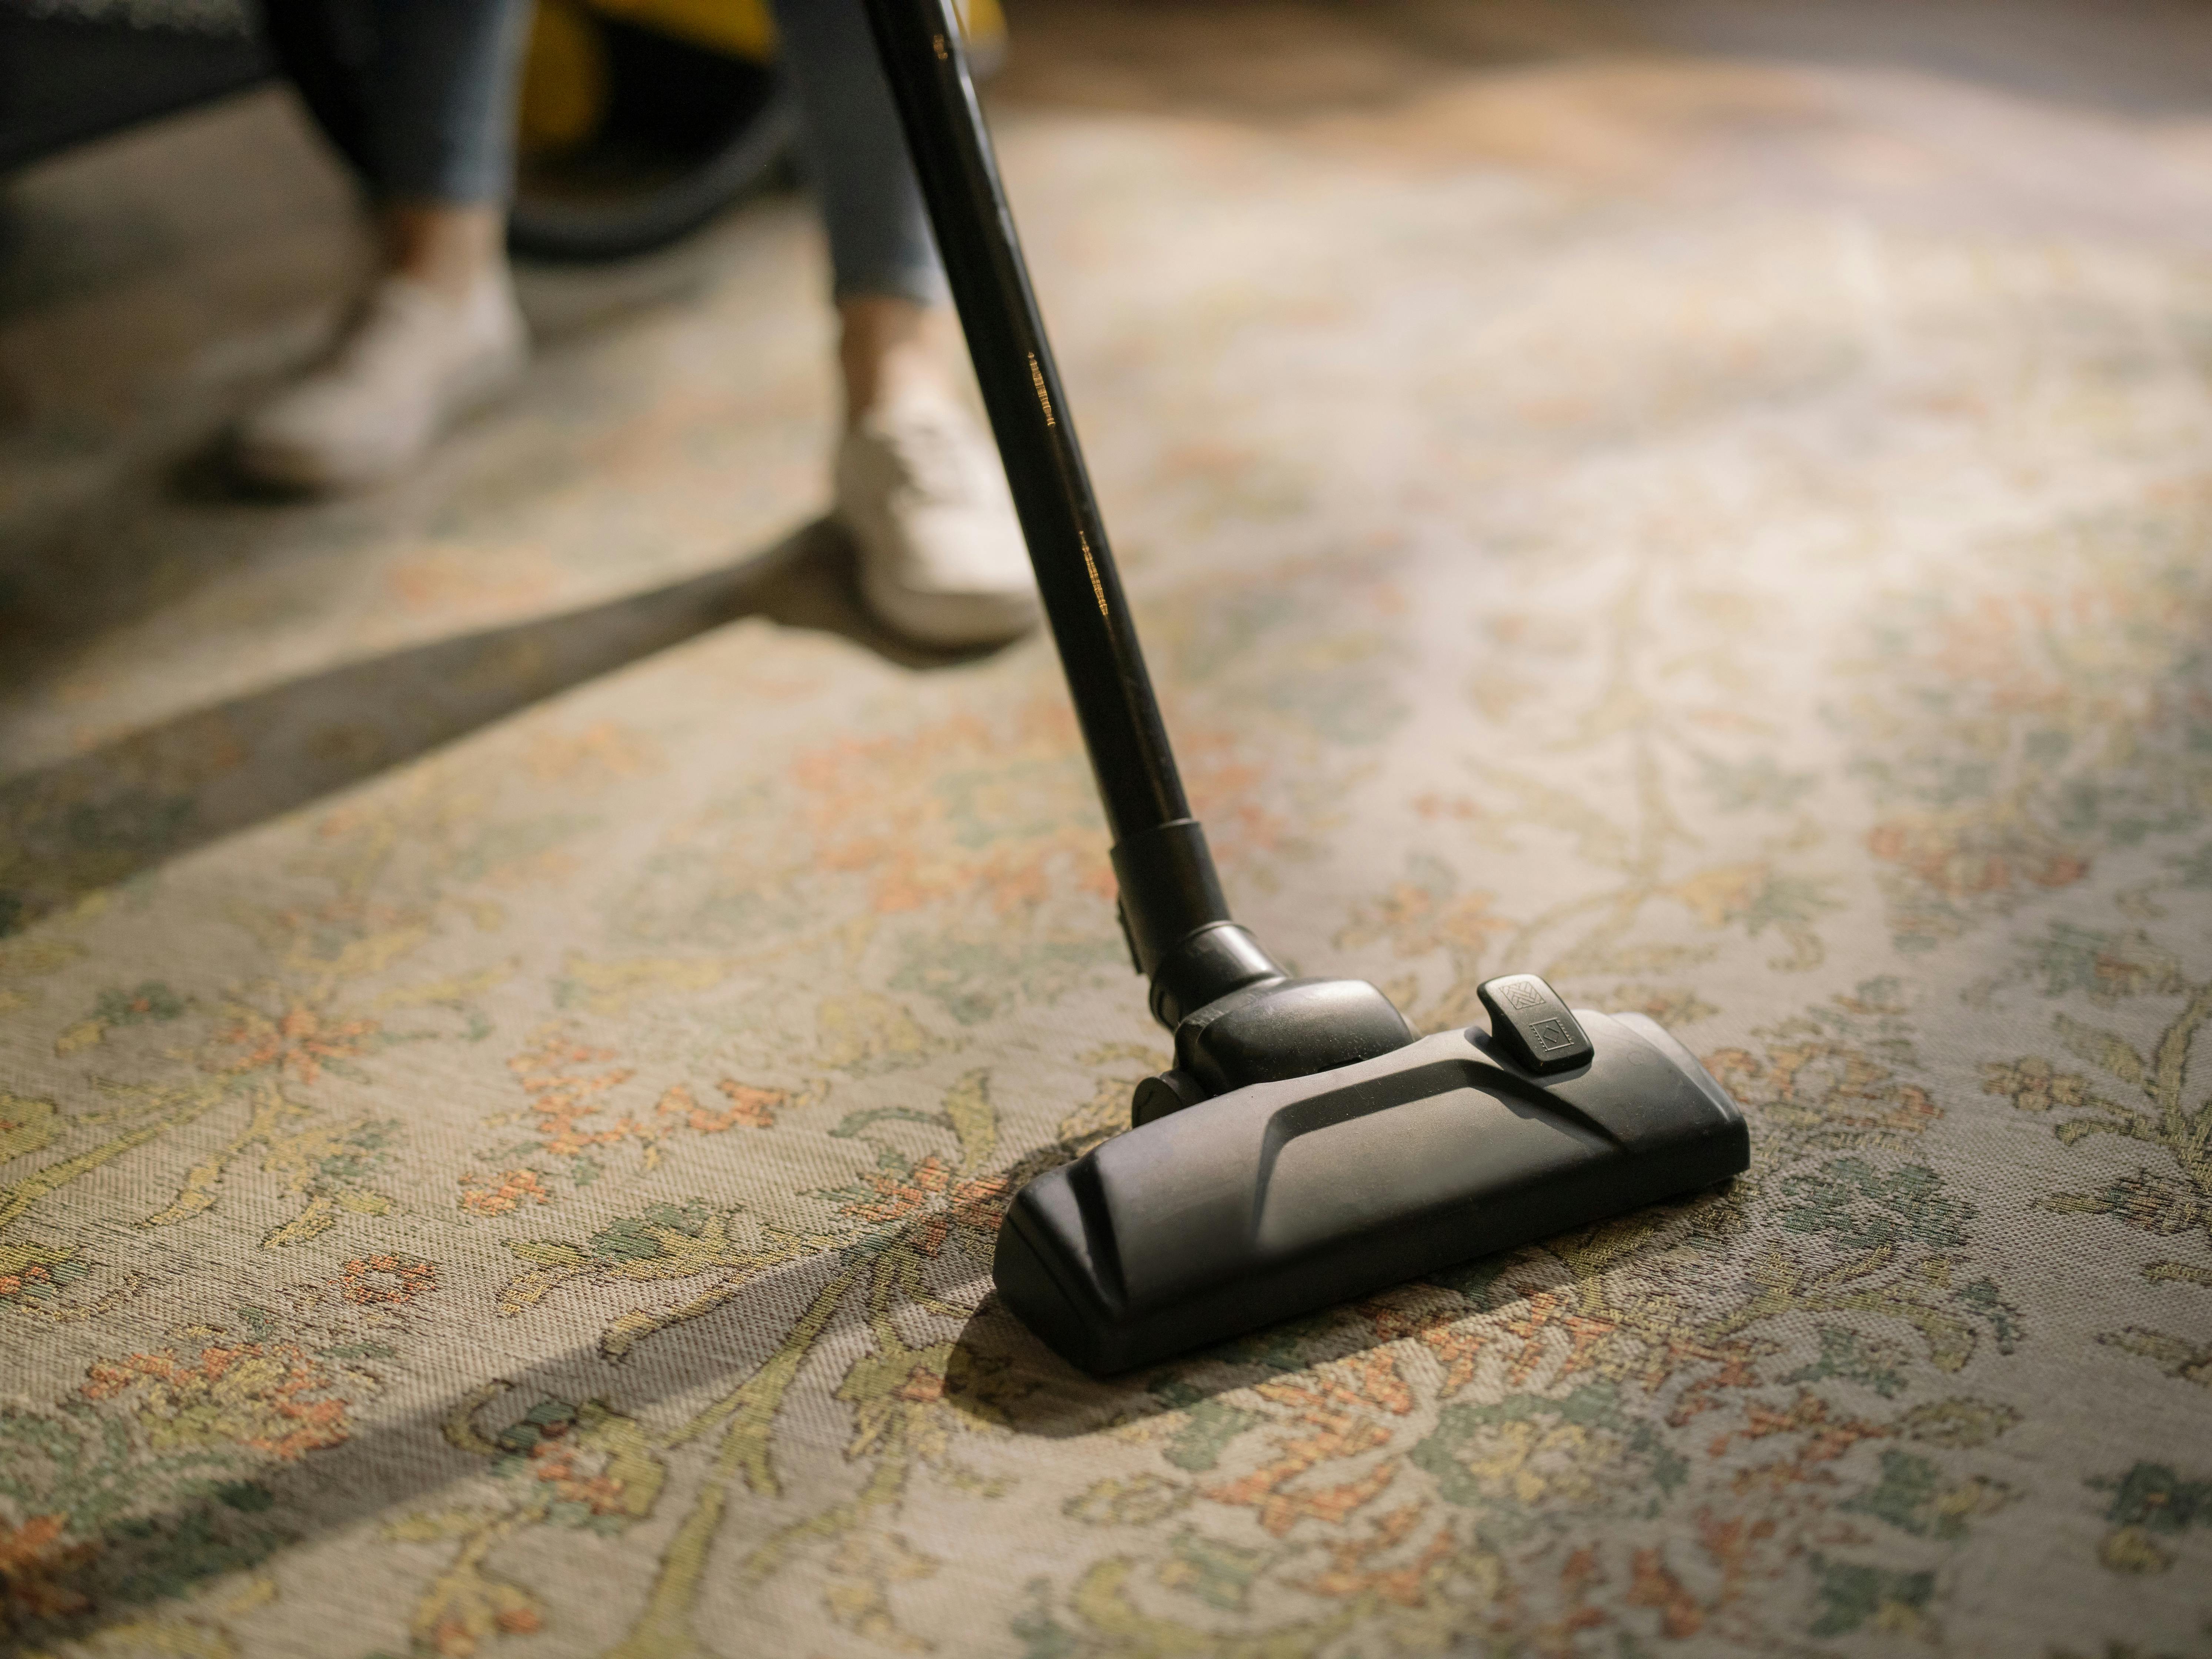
{"points": [[1330, 1153], [1168, 888]]}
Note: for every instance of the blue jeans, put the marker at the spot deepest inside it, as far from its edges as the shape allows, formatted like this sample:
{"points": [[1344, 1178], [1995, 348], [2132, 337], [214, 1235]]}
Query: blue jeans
{"points": [[423, 103]]}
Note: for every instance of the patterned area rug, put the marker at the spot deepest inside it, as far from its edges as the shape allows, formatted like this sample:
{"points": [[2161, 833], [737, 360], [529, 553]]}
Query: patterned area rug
{"points": [[517, 1025]]}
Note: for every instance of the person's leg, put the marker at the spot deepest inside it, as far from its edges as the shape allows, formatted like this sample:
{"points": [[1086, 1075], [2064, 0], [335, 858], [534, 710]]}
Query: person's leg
{"points": [[886, 282], [435, 89], [918, 487], [441, 95]]}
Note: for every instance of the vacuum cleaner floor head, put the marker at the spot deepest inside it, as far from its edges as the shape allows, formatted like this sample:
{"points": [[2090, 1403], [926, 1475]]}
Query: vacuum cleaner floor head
{"points": [[1283, 1197]]}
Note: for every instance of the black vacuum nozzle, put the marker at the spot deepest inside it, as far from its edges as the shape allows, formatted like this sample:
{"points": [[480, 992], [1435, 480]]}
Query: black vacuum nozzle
{"points": [[1304, 1147], [1283, 1197]]}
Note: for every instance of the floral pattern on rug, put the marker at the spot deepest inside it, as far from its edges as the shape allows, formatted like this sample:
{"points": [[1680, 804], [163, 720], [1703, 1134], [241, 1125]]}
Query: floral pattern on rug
{"points": [[538, 1199]]}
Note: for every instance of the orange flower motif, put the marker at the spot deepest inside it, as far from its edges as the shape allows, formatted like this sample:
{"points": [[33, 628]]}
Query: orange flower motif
{"points": [[750, 1107], [1826, 1437], [1350, 1574], [513, 1188], [563, 1094], [1455, 1340], [35, 1275], [1816, 1084], [373, 1279], [458, 1634], [901, 1198], [273, 1399], [978, 1203], [1542, 1311], [554, 1462], [549, 1449], [919, 815], [981, 1202], [922, 1387], [1654, 1585], [299, 1042], [33, 1563], [1962, 861], [1335, 1408]]}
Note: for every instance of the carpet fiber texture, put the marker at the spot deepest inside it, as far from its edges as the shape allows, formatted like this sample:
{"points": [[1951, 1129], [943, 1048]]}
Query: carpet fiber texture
{"points": [[516, 1031]]}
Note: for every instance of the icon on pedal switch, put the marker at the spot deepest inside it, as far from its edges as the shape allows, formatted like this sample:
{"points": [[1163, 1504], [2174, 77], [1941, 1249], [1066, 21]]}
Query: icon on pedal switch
{"points": [[1529, 1022]]}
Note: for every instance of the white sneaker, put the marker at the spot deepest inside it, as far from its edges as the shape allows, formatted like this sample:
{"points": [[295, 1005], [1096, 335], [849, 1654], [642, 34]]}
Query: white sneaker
{"points": [[924, 499], [413, 361]]}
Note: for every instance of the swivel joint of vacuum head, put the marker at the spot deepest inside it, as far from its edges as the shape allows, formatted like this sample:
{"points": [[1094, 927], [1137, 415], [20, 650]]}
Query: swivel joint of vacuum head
{"points": [[1267, 1031], [1205, 965], [1238, 1017]]}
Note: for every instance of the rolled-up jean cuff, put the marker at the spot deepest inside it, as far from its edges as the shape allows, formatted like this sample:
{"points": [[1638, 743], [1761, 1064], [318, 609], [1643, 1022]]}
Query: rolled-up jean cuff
{"points": [[924, 285]]}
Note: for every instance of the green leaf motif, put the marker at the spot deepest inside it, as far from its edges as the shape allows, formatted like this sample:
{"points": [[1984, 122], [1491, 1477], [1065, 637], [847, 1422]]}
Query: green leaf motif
{"points": [[1786, 901], [641, 1236], [151, 1000], [2105, 966], [1218, 1574], [1850, 1356], [37, 1273], [26, 1124], [2196, 869], [2100, 1047], [853, 1123], [1913, 1496], [1525, 1455], [2153, 1497], [1210, 1426], [1850, 1595], [968, 1105], [548, 1252], [1137, 1502], [1848, 1200], [1755, 782], [1958, 1422], [2149, 1203]]}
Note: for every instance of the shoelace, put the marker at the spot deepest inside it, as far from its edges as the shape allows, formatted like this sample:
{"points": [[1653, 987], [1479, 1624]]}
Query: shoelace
{"points": [[387, 312], [930, 456]]}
